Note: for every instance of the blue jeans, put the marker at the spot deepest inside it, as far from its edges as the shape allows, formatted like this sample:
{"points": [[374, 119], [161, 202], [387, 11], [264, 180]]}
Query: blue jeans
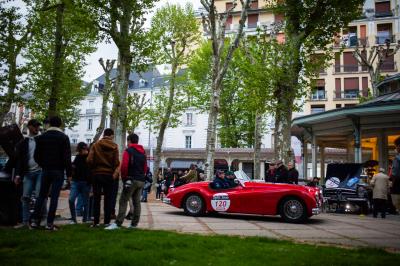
{"points": [[55, 180], [81, 188], [31, 183]]}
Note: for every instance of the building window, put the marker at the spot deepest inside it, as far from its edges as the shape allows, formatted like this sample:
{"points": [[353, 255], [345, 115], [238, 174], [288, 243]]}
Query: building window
{"points": [[252, 20], [382, 9], [254, 4], [189, 119], [91, 103], [317, 108], [338, 106], [90, 124], [88, 141], [318, 92], [74, 141], [188, 142], [384, 32]]}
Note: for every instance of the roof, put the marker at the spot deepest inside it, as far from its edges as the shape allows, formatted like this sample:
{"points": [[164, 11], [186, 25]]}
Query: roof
{"points": [[389, 79], [380, 104]]}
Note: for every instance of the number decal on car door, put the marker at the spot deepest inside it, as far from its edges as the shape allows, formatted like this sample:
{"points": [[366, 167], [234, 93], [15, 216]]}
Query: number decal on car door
{"points": [[220, 202]]}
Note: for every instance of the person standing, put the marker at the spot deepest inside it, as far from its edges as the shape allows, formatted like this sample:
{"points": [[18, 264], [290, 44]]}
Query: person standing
{"points": [[80, 183], [270, 176], [380, 184], [28, 170], [53, 155], [293, 174], [103, 161], [147, 185], [190, 176], [169, 178], [395, 177], [133, 174], [160, 179], [281, 172]]}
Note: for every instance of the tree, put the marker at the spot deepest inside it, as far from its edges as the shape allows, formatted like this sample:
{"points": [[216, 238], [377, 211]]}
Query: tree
{"points": [[14, 36], [177, 30], [136, 110], [215, 25], [309, 26], [122, 21], [54, 80], [374, 61], [105, 93]]}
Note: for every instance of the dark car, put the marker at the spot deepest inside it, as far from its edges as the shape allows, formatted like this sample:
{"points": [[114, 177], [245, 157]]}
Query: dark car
{"points": [[345, 189]]}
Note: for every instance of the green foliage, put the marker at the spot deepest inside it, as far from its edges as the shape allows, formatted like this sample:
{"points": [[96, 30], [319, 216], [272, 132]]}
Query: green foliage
{"points": [[175, 29], [79, 39], [80, 245], [135, 104]]}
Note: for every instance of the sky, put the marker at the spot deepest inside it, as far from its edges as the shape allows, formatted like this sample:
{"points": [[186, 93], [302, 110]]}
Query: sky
{"points": [[109, 51]]}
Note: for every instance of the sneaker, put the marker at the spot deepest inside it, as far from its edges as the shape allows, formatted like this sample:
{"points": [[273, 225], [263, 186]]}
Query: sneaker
{"points": [[112, 226], [51, 227], [22, 226], [131, 226], [34, 225], [73, 222], [94, 226]]}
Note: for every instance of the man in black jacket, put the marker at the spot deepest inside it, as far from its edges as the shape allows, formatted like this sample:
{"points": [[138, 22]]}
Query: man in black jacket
{"points": [[27, 170], [281, 172], [53, 154], [133, 174], [293, 174]]}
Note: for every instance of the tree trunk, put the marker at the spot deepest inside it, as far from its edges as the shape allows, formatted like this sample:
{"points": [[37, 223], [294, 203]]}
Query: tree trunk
{"points": [[104, 109], [282, 136], [164, 123], [257, 145], [57, 62], [124, 69]]}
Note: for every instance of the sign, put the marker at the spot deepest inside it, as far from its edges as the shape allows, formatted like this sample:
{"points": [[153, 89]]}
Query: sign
{"points": [[220, 202]]}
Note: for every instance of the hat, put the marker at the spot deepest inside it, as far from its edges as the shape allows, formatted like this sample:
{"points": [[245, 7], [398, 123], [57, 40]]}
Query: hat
{"points": [[34, 123]]}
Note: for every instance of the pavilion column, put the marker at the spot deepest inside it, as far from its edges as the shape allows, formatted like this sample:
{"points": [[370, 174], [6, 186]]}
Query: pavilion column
{"points": [[357, 139], [383, 151], [305, 159], [314, 151], [262, 170], [322, 160], [240, 165]]}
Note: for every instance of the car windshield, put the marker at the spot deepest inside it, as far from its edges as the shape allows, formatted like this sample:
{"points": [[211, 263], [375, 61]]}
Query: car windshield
{"points": [[242, 177]]}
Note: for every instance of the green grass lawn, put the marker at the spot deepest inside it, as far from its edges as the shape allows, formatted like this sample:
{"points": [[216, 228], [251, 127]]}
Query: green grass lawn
{"points": [[80, 245]]}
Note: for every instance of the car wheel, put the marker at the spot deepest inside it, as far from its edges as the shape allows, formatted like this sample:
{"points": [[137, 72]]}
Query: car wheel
{"points": [[193, 205], [293, 210]]}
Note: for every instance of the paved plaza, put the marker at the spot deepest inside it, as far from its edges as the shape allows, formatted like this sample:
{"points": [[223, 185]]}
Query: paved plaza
{"points": [[327, 228]]}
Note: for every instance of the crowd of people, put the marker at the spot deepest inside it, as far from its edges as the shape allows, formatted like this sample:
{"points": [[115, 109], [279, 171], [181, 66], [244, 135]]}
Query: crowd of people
{"points": [[44, 160], [279, 173]]}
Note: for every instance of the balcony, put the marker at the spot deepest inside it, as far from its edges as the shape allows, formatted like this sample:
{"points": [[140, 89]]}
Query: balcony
{"points": [[382, 14], [382, 39], [347, 95], [389, 67], [349, 69], [351, 41], [318, 95], [90, 111]]}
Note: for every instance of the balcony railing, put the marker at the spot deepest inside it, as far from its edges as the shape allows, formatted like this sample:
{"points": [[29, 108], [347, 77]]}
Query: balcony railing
{"points": [[90, 111], [382, 39], [389, 66], [351, 41], [381, 14], [318, 95], [252, 25], [347, 94], [349, 68]]}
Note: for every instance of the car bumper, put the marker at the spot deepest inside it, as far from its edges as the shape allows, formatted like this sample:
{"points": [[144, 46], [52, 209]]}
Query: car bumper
{"points": [[316, 211], [167, 200]]}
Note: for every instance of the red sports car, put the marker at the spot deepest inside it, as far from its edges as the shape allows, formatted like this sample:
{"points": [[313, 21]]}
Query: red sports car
{"points": [[294, 203]]}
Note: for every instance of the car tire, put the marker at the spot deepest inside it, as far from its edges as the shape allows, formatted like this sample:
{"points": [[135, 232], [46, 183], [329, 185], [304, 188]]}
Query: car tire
{"points": [[293, 210], [194, 205]]}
